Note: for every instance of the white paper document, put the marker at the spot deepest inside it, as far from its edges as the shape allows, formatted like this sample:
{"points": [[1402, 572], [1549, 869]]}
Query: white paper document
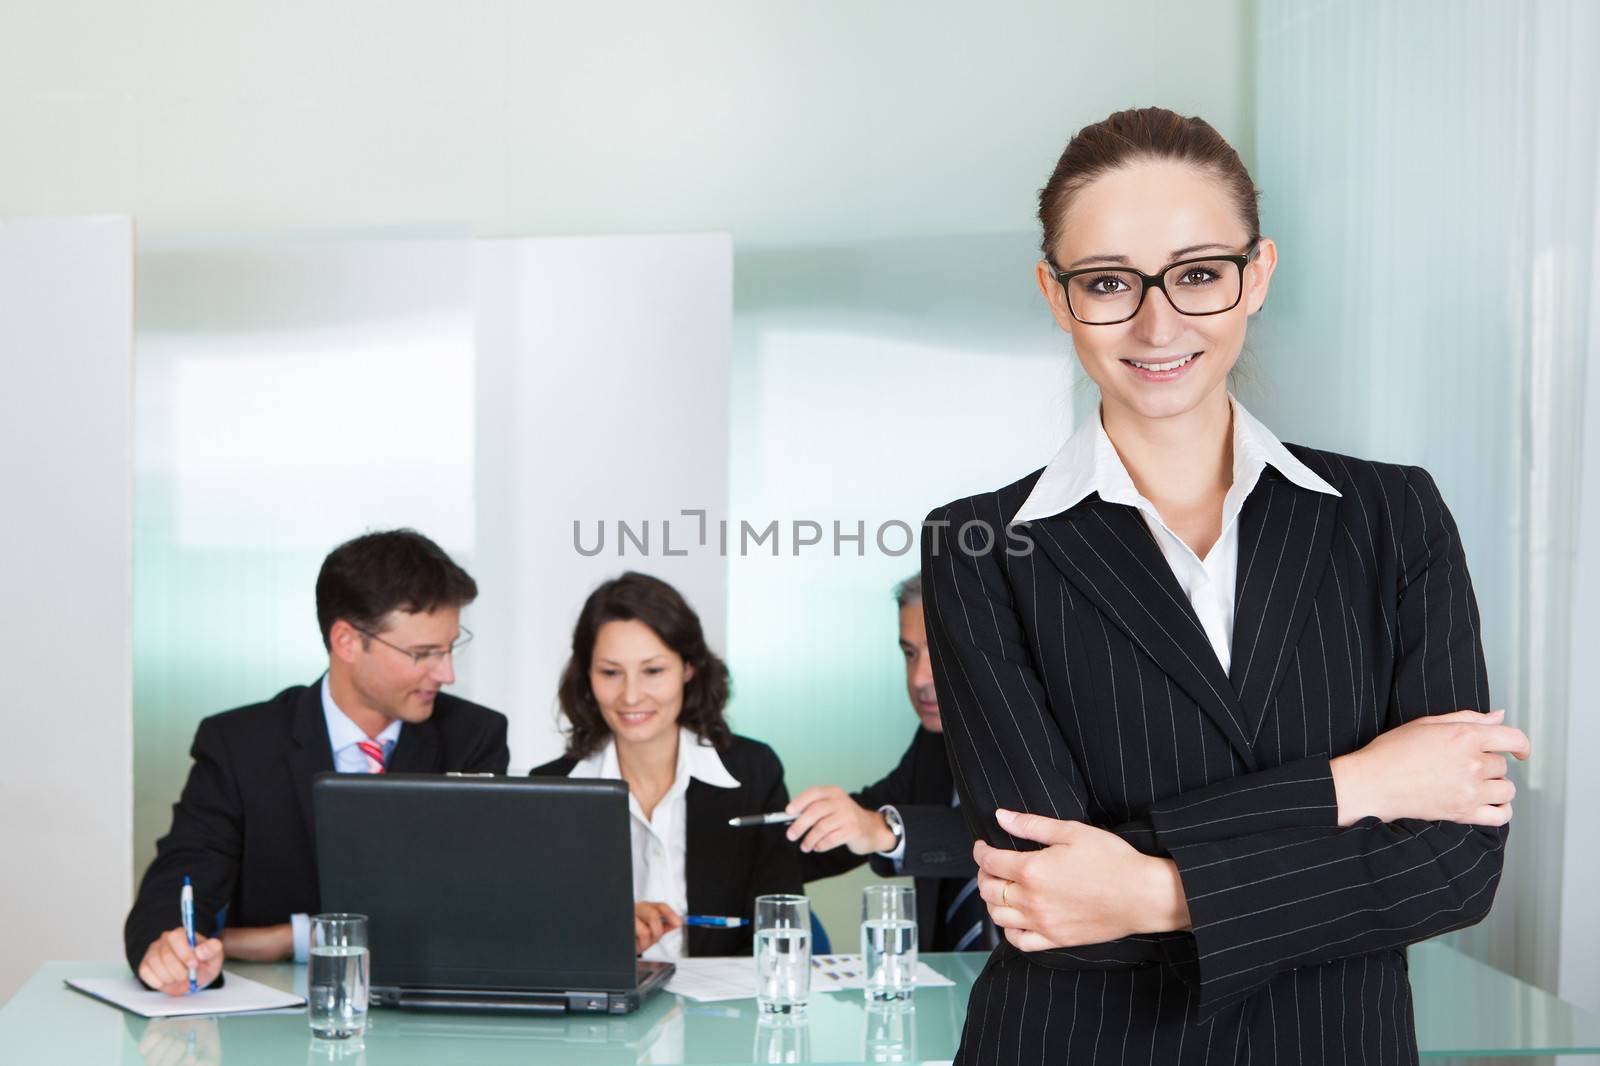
{"points": [[731, 977], [848, 973], [238, 995], [735, 977]]}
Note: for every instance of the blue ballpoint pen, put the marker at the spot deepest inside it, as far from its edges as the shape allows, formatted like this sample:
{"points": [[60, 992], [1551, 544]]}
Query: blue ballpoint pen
{"points": [[715, 921], [187, 903]]}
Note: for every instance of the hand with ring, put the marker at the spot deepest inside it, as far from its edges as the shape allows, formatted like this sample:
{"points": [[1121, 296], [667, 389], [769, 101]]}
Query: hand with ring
{"points": [[1086, 886]]}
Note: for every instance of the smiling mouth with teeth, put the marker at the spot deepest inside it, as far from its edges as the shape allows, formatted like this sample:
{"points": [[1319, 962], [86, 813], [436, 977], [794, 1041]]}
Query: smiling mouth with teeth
{"points": [[1164, 367]]}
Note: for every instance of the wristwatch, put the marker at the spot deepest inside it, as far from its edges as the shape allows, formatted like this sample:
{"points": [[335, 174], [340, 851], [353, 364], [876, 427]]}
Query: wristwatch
{"points": [[891, 818]]}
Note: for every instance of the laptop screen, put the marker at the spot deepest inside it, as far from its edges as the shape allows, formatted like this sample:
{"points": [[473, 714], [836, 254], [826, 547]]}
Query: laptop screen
{"points": [[494, 884]]}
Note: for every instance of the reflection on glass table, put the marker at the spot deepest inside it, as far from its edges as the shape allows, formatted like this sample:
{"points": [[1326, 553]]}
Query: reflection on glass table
{"points": [[1462, 1008], [178, 1041]]}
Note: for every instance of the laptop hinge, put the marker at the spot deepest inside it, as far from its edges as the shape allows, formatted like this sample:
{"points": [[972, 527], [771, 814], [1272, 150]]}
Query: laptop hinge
{"points": [[504, 1002]]}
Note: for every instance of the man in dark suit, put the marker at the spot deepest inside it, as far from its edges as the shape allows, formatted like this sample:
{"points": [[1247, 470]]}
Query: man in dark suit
{"points": [[907, 823], [389, 605]]}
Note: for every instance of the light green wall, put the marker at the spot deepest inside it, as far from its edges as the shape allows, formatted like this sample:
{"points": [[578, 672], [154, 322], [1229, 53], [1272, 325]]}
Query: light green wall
{"points": [[836, 120], [876, 164]]}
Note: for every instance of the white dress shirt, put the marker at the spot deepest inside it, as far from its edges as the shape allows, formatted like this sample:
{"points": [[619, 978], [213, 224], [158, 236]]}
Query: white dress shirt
{"points": [[1089, 463], [343, 736], [661, 841]]}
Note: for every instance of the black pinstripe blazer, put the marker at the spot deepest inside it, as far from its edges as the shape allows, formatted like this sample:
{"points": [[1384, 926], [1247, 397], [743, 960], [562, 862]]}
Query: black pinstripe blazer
{"points": [[1075, 681]]}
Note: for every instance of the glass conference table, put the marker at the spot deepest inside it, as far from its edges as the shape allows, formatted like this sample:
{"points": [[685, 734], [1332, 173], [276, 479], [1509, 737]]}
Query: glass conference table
{"points": [[1463, 1008]]}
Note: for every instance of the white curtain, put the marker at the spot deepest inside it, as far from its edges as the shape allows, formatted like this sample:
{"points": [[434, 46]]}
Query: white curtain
{"points": [[1429, 170]]}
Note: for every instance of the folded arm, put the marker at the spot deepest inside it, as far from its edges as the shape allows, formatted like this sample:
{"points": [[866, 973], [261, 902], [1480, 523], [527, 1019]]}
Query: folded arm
{"points": [[1369, 878], [1268, 902], [1006, 750]]}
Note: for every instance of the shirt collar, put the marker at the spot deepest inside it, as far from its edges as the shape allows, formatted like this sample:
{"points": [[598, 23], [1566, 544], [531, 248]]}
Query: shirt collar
{"points": [[342, 732], [1088, 463], [696, 759]]}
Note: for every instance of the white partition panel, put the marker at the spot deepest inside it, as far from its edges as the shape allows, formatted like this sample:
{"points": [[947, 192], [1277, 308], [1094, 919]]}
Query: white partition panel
{"points": [[66, 347], [291, 393], [602, 399]]}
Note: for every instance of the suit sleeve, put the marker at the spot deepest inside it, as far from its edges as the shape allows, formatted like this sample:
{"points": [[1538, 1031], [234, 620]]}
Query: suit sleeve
{"points": [[938, 844], [1005, 747], [1295, 795], [1268, 902], [204, 844]]}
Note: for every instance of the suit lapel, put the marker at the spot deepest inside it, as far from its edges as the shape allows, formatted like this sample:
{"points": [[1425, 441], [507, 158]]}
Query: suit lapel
{"points": [[707, 860], [698, 843], [417, 750], [1107, 553], [311, 752], [1285, 533]]}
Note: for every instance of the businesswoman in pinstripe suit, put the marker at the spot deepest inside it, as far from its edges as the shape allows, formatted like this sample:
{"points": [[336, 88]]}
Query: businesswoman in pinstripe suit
{"points": [[1214, 703]]}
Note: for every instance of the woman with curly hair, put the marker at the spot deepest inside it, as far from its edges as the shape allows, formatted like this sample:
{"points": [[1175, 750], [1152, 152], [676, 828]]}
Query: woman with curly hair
{"points": [[644, 699]]}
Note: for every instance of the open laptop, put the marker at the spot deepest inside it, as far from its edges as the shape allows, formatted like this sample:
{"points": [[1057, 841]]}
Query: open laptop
{"points": [[486, 893]]}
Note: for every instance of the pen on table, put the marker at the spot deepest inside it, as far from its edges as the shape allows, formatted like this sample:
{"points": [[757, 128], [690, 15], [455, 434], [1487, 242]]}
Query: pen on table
{"points": [[775, 818], [716, 921], [186, 902]]}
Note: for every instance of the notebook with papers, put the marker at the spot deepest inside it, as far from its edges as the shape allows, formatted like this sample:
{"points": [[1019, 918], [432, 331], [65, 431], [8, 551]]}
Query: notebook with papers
{"points": [[237, 995]]}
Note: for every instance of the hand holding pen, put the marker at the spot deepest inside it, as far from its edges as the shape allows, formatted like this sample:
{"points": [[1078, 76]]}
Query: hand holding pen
{"points": [[651, 922], [166, 963], [825, 817]]}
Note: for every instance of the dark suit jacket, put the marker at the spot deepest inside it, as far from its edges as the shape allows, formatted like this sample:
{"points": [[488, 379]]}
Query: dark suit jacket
{"points": [[938, 843], [242, 830], [1075, 681], [727, 868]]}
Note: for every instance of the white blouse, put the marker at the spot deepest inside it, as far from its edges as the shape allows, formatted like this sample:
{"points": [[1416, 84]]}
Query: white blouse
{"points": [[1089, 463], [660, 842]]}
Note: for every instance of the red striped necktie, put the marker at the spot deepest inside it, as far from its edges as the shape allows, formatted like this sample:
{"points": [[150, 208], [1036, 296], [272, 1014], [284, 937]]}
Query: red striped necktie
{"points": [[374, 753]]}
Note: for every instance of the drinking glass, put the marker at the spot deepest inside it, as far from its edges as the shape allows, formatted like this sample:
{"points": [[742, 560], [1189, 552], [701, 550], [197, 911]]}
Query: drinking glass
{"points": [[337, 984], [889, 940], [783, 954]]}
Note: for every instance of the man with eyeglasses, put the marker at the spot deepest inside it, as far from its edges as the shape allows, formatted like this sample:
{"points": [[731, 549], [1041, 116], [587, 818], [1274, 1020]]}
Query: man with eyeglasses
{"points": [[389, 605]]}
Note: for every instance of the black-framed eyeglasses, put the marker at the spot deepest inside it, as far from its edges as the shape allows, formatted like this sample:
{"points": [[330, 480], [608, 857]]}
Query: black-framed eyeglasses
{"points": [[1104, 296], [424, 656]]}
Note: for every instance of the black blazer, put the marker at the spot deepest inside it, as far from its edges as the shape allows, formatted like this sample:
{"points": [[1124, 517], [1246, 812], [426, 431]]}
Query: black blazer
{"points": [[242, 830], [1075, 681], [938, 843], [727, 868]]}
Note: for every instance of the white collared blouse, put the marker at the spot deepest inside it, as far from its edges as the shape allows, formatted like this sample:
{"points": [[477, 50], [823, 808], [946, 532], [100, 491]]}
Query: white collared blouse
{"points": [[660, 842], [1088, 463]]}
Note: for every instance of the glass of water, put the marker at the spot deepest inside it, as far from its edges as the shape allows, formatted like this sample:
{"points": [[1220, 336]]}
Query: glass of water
{"points": [[783, 954], [337, 985], [889, 940]]}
